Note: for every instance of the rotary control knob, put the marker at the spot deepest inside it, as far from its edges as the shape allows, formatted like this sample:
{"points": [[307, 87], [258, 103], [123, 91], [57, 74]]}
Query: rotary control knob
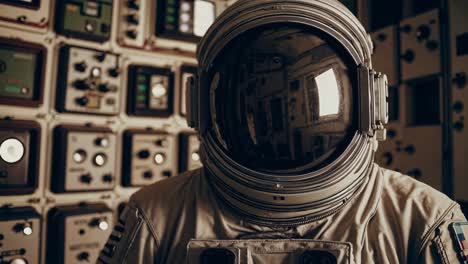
{"points": [[148, 174], [82, 84], [132, 4], [18, 261], [133, 34], [164, 143], [83, 256], [133, 19], [81, 66], [423, 32], [83, 101], [408, 56], [114, 72], [101, 56], [107, 178], [159, 158], [104, 88], [102, 142], [143, 154], [100, 159], [100, 223], [460, 79], [86, 178], [24, 228]]}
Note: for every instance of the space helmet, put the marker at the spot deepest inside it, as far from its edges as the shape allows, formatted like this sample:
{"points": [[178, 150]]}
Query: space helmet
{"points": [[288, 108]]}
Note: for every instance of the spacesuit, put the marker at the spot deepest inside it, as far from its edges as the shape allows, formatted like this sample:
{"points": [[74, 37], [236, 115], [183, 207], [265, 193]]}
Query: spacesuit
{"points": [[289, 112]]}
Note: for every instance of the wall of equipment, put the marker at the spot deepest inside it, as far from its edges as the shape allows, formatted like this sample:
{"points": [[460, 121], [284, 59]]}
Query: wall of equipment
{"points": [[425, 55], [91, 108]]}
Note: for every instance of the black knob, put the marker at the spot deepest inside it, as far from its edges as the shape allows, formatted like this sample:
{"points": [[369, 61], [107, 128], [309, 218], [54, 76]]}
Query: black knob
{"points": [[132, 4], [459, 79], [83, 256], [131, 34], [410, 149], [432, 45], [162, 143], [408, 56], [101, 56], [81, 66], [107, 178], [114, 72], [388, 158], [143, 154], [82, 84], [391, 133], [458, 126], [423, 32], [83, 101], [148, 174], [86, 178], [133, 19], [458, 107], [167, 173], [104, 88], [102, 142]]}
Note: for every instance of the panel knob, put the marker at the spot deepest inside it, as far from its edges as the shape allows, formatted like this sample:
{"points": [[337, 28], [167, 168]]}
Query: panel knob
{"points": [[81, 66], [83, 101], [86, 178], [143, 154], [133, 19], [423, 32]]}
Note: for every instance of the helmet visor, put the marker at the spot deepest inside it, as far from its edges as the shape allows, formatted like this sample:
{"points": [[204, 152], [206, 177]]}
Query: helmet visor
{"points": [[281, 98]]}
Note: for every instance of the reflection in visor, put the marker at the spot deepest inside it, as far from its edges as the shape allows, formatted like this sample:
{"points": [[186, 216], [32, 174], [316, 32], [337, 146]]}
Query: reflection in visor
{"points": [[328, 92], [281, 99]]}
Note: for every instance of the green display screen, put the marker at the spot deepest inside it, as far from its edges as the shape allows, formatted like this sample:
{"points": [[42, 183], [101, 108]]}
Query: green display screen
{"points": [[87, 19], [17, 73]]}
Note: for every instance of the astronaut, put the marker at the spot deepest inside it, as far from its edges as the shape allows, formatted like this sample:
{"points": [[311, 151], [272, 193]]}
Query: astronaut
{"points": [[289, 112]]}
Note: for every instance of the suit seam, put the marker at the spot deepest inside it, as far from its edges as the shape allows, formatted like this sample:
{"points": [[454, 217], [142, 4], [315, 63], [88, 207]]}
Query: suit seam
{"points": [[427, 234], [132, 240], [148, 224]]}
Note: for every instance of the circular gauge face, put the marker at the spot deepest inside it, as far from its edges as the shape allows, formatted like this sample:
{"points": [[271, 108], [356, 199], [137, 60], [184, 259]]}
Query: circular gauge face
{"points": [[27, 230], [11, 150], [96, 72], [195, 156], [79, 156], [18, 261], [158, 90], [103, 225], [100, 159], [159, 158]]}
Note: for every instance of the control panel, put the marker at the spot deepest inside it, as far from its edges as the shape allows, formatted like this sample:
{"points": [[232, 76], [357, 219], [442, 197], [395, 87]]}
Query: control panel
{"points": [[77, 233], [31, 13], [189, 154], [86, 159], [385, 58], [89, 81], [150, 91], [19, 156], [186, 71], [85, 19], [459, 89], [20, 234], [420, 45], [186, 20], [133, 25], [149, 156], [22, 68]]}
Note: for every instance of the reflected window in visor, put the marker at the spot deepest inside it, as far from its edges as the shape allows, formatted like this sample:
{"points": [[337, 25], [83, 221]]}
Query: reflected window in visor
{"points": [[282, 99]]}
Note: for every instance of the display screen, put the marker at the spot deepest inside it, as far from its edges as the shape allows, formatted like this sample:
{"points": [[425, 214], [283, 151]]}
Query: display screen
{"points": [[204, 15], [23, 3], [20, 72]]}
